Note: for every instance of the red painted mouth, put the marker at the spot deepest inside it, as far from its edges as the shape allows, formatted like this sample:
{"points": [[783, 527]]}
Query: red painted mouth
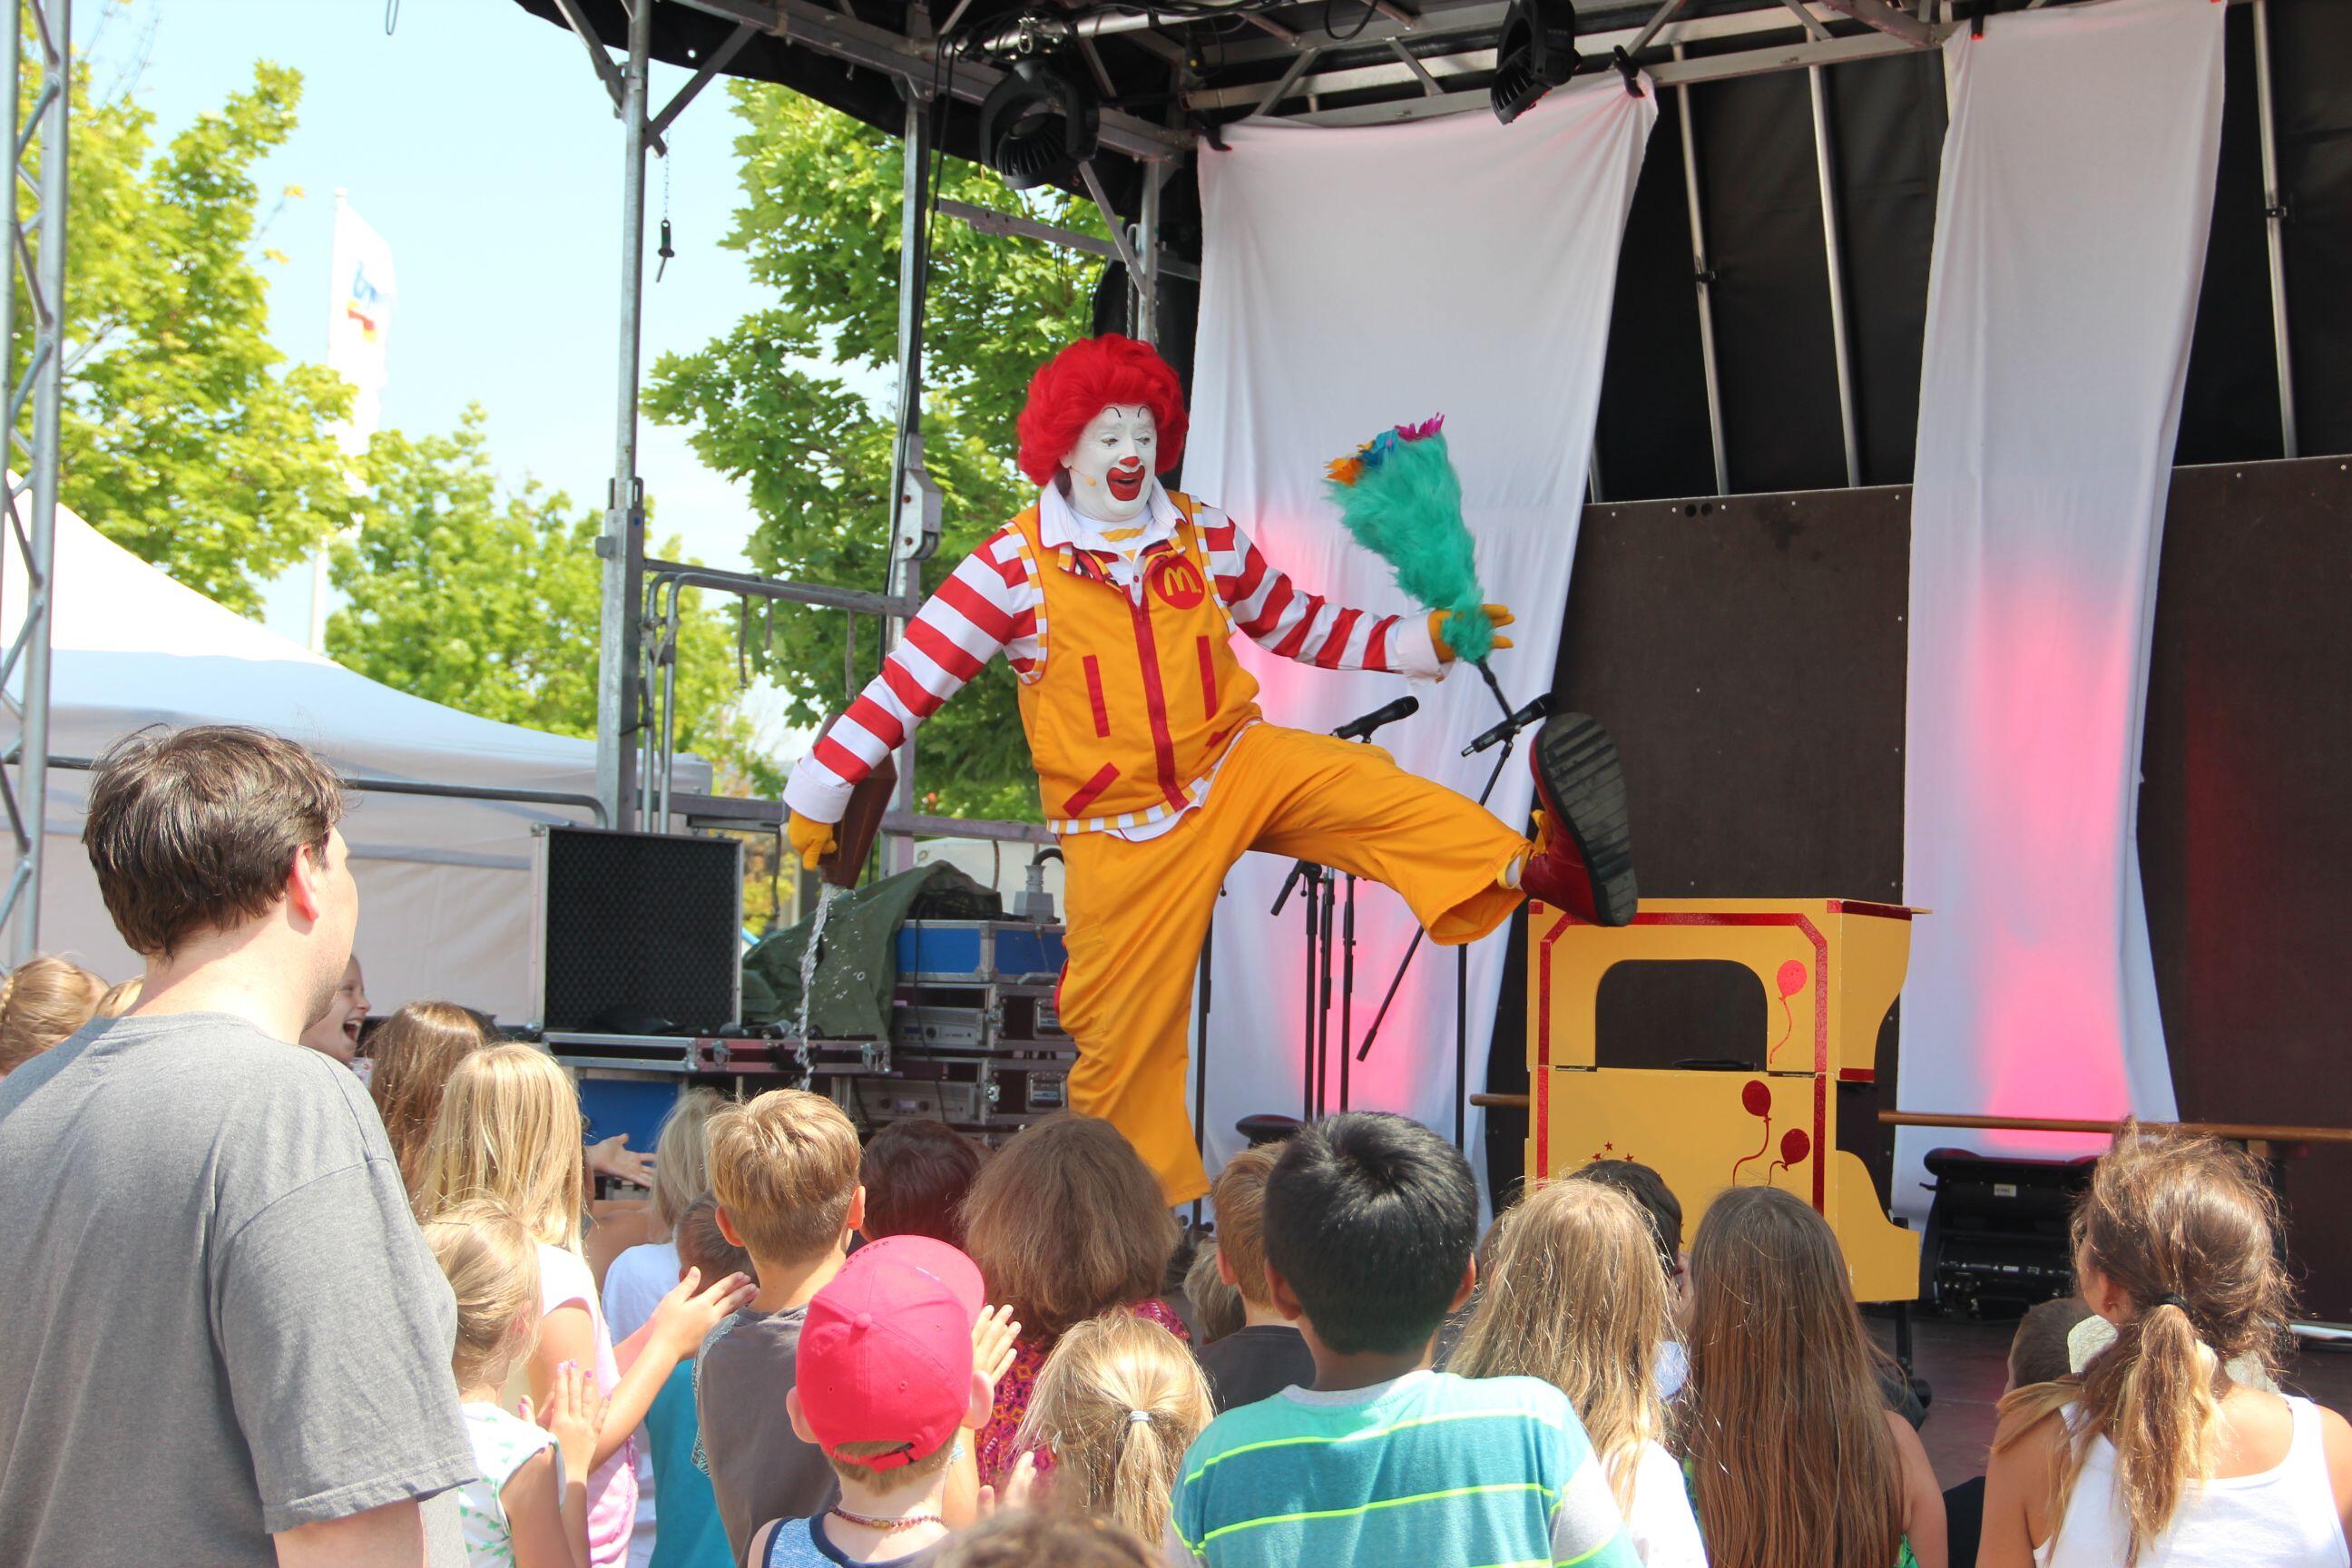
{"points": [[1127, 479]]}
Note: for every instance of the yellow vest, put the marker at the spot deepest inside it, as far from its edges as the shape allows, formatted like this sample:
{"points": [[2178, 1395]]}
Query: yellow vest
{"points": [[1135, 700]]}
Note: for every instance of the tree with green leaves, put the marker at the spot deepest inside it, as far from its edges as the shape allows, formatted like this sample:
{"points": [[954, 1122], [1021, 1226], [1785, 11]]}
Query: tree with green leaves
{"points": [[186, 436], [819, 224], [490, 602]]}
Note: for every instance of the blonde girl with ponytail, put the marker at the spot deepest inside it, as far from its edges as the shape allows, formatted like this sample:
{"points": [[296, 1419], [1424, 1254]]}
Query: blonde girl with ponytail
{"points": [[528, 1506], [2154, 1454], [508, 1132], [1117, 1404]]}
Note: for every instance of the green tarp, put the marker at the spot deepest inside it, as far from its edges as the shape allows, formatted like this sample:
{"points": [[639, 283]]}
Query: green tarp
{"points": [[857, 962]]}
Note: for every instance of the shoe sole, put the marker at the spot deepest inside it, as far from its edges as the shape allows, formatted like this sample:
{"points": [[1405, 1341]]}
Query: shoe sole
{"points": [[1584, 790]]}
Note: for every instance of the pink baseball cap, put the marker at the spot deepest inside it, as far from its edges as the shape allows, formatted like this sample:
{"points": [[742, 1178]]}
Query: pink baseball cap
{"points": [[886, 1351]]}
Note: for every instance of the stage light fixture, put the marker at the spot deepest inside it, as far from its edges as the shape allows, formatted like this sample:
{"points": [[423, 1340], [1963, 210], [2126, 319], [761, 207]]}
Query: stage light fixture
{"points": [[1536, 53], [1039, 123]]}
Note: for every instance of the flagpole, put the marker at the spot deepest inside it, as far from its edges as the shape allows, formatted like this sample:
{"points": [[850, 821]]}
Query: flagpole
{"points": [[359, 301]]}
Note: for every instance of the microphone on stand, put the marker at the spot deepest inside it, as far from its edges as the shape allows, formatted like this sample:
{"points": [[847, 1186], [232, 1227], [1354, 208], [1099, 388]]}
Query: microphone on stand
{"points": [[1536, 711], [1355, 729], [1362, 729]]}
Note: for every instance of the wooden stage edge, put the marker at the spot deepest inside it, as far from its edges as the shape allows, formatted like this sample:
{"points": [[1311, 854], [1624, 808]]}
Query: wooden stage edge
{"points": [[2234, 1132]]}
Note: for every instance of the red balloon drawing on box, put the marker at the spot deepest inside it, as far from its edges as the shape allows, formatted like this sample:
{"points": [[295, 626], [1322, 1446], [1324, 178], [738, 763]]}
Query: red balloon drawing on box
{"points": [[1795, 1145], [1792, 980], [1756, 1098]]}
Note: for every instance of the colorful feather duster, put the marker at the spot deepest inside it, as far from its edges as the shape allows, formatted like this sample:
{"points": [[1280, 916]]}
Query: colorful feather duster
{"points": [[1401, 498]]}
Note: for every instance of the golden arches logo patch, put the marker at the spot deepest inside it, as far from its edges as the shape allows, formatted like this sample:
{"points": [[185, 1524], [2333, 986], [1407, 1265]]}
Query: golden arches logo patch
{"points": [[1177, 583]]}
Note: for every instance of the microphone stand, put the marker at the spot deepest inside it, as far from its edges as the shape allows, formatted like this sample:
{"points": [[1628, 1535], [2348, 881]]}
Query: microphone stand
{"points": [[1328, 917], [1316, 1030]]}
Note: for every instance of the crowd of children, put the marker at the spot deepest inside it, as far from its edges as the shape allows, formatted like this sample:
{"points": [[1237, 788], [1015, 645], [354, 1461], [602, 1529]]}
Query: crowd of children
{"points": [[925, 1354], [798, 1329], [1606, 1399], [799, 1333]]}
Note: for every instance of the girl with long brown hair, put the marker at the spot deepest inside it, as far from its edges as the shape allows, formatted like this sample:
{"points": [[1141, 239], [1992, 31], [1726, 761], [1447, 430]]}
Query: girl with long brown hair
{"points": [[415, 1051], [2154, 1453], [1119, 1402], [1794, 1460], [1573, 1295], [1065, 1223]]}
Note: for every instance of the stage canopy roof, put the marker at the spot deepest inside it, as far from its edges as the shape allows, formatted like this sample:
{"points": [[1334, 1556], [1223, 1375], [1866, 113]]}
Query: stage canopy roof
{"points": [[1178, 70]]}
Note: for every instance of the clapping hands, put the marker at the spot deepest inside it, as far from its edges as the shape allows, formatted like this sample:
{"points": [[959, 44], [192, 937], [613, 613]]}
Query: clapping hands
{"points": [[575, 1416]]}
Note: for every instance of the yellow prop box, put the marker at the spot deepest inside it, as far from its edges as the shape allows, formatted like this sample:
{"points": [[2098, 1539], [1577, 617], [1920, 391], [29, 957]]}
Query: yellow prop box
{"points": [[1830, 968]]}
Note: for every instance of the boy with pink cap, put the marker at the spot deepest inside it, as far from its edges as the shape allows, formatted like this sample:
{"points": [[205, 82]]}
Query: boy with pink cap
{"points": [[884, 1383]]}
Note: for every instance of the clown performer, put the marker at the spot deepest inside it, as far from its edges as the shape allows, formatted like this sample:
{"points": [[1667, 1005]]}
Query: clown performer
{"points": [[1117, 601]]}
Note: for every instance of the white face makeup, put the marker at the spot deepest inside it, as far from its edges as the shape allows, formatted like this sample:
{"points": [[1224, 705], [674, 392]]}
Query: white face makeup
{"points": [[1111, 467]]}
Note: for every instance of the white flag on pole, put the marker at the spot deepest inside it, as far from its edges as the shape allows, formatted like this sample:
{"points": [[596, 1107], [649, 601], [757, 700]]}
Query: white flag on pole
{"points": [[360, 298], [359, 321]]}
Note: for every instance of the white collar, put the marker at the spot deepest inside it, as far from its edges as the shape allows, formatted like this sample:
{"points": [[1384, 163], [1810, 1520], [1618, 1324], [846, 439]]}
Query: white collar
{"points": [[1060, 523]]}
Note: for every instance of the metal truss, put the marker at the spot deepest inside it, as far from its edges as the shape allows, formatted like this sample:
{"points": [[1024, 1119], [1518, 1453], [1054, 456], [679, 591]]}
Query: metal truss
{"points": [[39, 55]]}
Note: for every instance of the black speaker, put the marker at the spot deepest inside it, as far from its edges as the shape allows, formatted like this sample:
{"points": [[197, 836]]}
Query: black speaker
{"points": [[1999, 1233], [639, 933]]}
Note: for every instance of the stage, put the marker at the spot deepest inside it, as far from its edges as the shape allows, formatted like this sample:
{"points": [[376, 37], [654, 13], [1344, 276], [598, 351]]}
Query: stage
{"points": [[1967, 1363]]}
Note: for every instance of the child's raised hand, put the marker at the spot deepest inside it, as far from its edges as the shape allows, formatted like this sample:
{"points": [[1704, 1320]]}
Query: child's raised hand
{"points": [[1019, 1491], [993, 1339], [575, 1414], [689, 1313]]}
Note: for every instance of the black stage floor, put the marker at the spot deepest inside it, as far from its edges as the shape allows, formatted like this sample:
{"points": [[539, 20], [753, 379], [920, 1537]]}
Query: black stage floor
{"points": [[1967, 1363]]}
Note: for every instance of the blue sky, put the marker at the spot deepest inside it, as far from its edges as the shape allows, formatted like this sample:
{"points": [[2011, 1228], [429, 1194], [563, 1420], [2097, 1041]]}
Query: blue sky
{"points": [[478, 142]]}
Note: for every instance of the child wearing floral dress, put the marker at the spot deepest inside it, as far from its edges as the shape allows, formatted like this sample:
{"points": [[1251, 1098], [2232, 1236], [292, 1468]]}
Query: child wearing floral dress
{"points": [[528, 1506], [1106, 1250]]}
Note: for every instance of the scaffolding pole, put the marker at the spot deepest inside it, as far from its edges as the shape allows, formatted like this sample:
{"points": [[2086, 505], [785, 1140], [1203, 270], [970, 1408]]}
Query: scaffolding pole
{"points": [[1703, 279], [39, 78], [914, 497], [2274, 221], [1825, 165], [621, 545]]}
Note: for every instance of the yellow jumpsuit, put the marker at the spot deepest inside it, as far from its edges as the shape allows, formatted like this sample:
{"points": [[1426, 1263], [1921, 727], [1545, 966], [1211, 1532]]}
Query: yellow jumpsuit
{"points": [[1137, 703]]}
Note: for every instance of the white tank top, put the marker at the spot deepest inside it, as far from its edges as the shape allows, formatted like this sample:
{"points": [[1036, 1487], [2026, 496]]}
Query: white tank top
{"points": [[2283, 1517]]}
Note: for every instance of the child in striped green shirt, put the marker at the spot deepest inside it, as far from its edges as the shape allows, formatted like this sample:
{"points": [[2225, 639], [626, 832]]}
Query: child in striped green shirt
{"points": [[1370, 1224]]}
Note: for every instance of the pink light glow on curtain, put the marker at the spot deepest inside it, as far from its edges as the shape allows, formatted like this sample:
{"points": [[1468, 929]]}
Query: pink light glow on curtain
{"points": [[2070, 240]]}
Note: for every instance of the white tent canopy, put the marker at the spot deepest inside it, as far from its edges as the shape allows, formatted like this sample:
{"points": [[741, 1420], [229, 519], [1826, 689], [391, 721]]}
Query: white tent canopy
{"points": [[446, 886]]}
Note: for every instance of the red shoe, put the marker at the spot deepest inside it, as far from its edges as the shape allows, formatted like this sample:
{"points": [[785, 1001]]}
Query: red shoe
{"points": [[1583, 858]]}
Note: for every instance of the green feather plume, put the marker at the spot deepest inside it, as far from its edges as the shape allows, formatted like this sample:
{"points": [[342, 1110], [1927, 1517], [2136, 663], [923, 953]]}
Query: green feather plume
{"points": [[1401, 498]]}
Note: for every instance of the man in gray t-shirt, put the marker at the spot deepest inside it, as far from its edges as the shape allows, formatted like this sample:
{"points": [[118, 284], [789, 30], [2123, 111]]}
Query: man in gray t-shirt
{"points": [[240, 1329], [224, 1339]]}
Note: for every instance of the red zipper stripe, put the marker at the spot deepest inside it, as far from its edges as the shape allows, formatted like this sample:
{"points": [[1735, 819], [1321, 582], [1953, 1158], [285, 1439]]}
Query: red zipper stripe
{"points": [[1208, 678], [1155, 702]]}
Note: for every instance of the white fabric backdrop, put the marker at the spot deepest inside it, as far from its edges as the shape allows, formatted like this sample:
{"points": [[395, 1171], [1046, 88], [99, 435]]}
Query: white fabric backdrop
{"points": [[1354, 280], [2069, 242]]}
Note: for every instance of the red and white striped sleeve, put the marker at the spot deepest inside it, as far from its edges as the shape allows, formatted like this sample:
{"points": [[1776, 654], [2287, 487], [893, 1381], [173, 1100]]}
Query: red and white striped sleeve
{"points": [[1283, 618], [988, 606]]}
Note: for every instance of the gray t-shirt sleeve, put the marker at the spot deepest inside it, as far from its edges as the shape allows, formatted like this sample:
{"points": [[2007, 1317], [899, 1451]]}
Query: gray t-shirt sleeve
{"points": [[335, 1327]]}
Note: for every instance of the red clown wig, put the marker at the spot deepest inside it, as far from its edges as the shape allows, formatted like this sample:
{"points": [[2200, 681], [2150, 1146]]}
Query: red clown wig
{"points": [[1083, 380]]}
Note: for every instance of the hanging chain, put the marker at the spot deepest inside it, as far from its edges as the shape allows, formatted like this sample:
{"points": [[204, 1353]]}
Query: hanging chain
{"points": [[664, 252]]}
